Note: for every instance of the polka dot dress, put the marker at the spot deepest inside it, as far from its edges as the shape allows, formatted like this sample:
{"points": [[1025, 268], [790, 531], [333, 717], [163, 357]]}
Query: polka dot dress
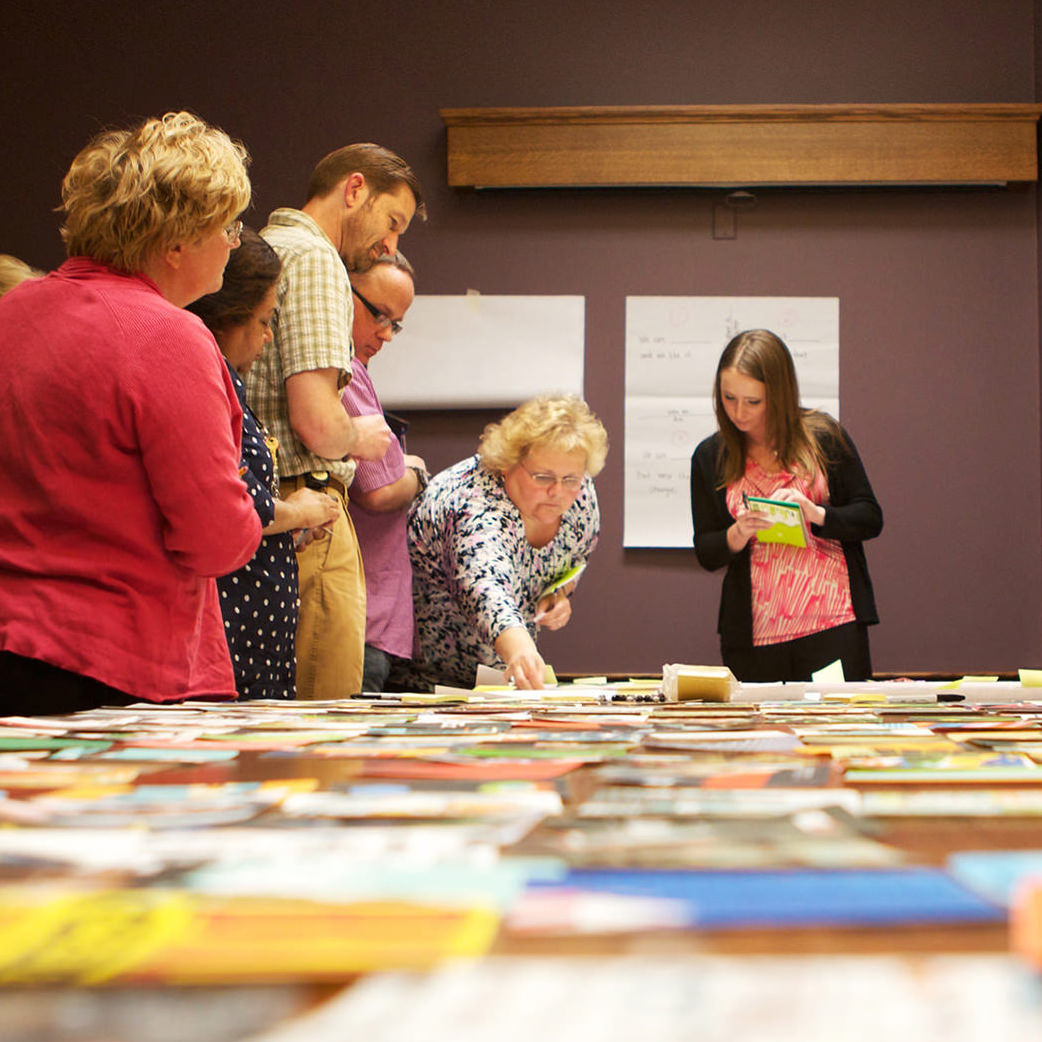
{"points": [[259, 601]]}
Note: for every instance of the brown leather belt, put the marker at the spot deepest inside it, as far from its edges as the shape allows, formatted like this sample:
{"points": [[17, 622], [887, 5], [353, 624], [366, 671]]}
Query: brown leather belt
{"points": [[316, 479]]}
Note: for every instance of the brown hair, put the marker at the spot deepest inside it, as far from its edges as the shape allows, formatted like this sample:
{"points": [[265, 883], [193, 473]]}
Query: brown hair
{"points": [[382, 169], [131, 194], [794, 433], [251, 271]]}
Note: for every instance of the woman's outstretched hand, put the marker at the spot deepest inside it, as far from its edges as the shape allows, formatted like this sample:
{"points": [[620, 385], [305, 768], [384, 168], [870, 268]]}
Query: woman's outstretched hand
{"points": [[524, 665]]}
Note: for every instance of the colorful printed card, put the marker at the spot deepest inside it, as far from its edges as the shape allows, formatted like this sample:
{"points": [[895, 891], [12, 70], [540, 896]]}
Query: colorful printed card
{"points": [[788, 527]]}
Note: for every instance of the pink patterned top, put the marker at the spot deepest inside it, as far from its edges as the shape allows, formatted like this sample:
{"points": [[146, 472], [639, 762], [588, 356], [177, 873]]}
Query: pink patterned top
{"points": [[796, 591]]}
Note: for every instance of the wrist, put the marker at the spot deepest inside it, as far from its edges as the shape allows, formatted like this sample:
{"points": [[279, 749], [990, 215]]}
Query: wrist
{"points": [[513, 641], [735, 542], [422, 479]]}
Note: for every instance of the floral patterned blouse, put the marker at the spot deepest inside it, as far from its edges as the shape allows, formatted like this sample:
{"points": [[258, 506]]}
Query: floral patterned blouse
{"points": [[475, 574]]}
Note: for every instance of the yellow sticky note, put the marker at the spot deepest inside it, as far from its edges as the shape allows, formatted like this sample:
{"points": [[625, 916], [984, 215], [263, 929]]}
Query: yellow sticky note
{"points": [[1030, 677], [968, 679]]}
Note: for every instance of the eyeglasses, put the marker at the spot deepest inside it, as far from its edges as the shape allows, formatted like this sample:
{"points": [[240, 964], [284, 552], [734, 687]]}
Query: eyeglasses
{"points": [[570, 482], [232, 232], [382, 320]]}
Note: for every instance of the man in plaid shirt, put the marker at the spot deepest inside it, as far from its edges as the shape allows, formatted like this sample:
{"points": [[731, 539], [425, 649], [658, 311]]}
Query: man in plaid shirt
{"points": [[360, 200]]}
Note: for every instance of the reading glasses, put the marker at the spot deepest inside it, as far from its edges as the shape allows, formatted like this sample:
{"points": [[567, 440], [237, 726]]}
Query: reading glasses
{"points": [[232, 232], [570, 482], [382, 320]]}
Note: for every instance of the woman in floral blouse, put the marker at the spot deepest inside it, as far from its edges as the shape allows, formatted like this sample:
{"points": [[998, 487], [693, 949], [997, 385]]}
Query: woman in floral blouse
{"points": [[492, 533]]}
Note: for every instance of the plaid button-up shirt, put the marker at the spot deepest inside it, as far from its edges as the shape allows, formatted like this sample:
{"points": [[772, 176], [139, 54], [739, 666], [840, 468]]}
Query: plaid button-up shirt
{"points": [[312, 330]]}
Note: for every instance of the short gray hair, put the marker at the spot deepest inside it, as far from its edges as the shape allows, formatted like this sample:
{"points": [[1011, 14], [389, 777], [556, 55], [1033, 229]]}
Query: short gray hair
{"points": [[398, 260]]}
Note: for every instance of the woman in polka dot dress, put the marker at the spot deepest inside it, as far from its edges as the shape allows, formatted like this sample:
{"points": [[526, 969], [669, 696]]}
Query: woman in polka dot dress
{"points": [[259, 602]]}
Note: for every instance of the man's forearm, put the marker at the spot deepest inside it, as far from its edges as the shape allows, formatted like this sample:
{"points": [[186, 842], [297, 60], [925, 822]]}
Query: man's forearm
{"points": [[316, 415]]}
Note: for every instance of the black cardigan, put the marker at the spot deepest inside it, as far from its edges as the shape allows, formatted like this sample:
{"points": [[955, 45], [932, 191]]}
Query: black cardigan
{"points": [[851, 516]]}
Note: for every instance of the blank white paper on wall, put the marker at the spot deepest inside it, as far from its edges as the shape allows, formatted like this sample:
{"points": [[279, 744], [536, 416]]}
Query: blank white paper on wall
{"points": [[479, 351]]}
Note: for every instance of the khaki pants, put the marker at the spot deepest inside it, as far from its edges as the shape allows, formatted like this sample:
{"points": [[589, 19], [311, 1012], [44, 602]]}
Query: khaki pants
{"points": [[331, 629]]}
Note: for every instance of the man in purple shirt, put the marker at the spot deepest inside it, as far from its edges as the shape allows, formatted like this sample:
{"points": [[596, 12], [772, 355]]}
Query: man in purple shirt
{"points": [[383, 490]]}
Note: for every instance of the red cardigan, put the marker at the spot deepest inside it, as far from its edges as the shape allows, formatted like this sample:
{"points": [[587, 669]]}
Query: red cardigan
{"points": [[120, 497]]}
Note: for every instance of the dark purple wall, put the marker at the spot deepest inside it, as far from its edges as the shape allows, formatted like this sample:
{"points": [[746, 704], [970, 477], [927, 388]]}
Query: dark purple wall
{"points": [[938, 290]]}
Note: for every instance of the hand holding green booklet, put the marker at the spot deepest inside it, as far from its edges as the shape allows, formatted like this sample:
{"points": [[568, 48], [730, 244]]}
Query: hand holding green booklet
{"points": [[789, 526], [563, 579]]}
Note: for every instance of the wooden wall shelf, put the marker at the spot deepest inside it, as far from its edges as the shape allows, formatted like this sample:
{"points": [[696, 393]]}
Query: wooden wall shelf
{"points": [[739, 146]]}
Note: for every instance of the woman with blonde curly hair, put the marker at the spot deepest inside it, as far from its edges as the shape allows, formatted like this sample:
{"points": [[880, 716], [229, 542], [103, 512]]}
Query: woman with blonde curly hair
{"points": [[492, 533], [122, 496]]}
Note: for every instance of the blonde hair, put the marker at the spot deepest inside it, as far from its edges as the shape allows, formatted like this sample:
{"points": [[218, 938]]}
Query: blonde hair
{"points": [[562, 422], [133, 193], [13, 271]]}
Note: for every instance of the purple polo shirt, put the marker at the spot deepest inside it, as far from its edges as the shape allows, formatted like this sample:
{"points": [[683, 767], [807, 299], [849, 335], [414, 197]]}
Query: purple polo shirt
{"points": [[381, 536]]}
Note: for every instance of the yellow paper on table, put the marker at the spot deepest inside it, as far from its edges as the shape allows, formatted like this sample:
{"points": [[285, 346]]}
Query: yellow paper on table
{"points": [[439, 695], [1030, 677], [55, 936], [970, 678]]}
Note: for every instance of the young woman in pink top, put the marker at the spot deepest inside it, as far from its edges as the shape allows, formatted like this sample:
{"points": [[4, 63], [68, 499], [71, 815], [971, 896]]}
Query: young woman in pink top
{"points": [[785, 611]]}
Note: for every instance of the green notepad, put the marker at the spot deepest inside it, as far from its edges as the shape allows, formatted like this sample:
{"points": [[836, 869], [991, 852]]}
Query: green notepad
{"points": [[788, 528], [563, 579]]}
